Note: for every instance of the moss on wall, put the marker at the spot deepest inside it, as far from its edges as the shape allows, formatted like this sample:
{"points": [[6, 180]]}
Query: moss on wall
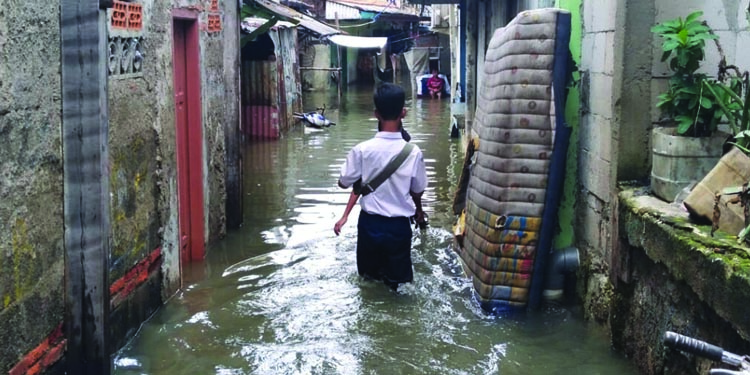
{"points": [[31, 220], [666, 273], [134, 203]]}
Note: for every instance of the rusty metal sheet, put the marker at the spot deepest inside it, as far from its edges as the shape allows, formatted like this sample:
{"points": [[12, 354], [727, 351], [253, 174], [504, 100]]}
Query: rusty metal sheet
{"points": [[262, 121], [304, 20]]}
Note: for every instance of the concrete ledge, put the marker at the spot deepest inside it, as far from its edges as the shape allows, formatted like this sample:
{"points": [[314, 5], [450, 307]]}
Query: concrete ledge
{"points": [[717, 269]]}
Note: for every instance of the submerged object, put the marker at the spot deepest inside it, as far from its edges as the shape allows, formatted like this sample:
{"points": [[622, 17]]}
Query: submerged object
{"points": [[315, 119], [513, 181]]}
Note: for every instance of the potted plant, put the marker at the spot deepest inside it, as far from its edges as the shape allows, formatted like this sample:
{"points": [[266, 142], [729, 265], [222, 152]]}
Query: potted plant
{"points": [[689, 145]]}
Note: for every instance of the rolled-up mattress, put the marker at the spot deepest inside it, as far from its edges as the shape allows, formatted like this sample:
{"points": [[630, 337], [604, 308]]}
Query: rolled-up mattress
{"points": [[516, 180]]}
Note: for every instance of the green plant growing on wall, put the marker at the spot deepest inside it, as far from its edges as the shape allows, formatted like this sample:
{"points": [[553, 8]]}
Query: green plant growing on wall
{"points": [[691, 99], [732, 91]]}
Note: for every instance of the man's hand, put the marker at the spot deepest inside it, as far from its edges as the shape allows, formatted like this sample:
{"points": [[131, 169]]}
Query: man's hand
{"points": [[419, 216], [339, 224], [420, 219]]}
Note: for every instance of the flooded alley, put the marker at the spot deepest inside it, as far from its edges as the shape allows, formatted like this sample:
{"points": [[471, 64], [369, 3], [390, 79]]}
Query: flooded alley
{"points": [[282, 295], [164, 210]]}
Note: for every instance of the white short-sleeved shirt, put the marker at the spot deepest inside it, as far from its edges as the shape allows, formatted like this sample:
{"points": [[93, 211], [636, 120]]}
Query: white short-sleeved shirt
{"points": [[368, 158]]}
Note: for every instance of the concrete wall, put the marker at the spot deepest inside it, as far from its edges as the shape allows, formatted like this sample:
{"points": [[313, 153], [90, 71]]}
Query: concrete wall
{"points": [[601, 74], [633, 281], [316, 55], [31, 208], [664, 277], [143, 169], [620, 82], [142, 135]]}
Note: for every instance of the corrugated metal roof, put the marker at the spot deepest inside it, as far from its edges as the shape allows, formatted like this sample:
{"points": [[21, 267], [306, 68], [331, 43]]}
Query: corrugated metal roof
{"points": [[343, 7], [304, 20], [318, 27], [249, 24], [344, 12]]}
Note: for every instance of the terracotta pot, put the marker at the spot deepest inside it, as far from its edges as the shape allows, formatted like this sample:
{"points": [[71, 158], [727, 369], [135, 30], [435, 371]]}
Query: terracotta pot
{"points": [[678, 161], [733, 169]]}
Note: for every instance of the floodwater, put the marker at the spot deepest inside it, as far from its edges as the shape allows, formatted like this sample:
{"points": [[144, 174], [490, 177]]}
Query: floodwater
{"points": [[282, 295]]}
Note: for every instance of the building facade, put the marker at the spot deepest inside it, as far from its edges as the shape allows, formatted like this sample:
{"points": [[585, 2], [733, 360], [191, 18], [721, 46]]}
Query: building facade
{"points": [[162, 123]]}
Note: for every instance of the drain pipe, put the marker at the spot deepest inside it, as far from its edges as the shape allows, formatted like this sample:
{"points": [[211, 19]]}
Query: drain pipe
{"points": [[562, 262]]}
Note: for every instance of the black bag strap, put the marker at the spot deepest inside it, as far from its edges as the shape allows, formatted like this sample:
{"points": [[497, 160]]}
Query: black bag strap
{"points": [[391, 167]]}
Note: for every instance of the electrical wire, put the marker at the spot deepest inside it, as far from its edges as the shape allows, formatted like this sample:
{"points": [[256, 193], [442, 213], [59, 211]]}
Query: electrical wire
{"points": [[411, 37], [374, 18]]}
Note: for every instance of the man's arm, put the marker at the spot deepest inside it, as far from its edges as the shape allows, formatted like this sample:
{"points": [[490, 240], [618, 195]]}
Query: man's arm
{"points": [[418, 186], [349, 206], [350, 170]]}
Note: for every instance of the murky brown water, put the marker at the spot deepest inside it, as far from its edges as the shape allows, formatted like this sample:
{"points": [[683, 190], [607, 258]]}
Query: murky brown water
{"points": [[282, 295]]}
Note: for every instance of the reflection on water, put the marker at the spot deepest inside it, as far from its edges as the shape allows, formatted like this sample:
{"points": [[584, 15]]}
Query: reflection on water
{"points": [[282, 295]]}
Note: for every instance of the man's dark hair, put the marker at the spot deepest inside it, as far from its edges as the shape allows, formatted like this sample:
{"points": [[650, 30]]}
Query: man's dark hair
{"points": [[389, 101]]}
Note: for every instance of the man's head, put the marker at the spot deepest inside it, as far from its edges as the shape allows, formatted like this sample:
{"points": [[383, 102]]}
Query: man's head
{"points": [[389, 102]]}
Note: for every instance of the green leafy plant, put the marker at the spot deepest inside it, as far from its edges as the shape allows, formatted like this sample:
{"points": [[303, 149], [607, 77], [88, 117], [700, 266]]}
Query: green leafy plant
{"points": [[733, 93], [692, 98]]}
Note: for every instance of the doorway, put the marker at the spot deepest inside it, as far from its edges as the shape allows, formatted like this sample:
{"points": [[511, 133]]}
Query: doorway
{"points": [[187, 97]]}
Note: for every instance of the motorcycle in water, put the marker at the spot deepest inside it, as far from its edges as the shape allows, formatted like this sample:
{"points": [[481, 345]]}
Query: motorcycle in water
{"points": [[315, 119]]}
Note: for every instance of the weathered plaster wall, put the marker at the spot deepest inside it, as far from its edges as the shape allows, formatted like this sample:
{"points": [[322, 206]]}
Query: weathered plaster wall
{"points": [[142, 164], [231, 70], [142, 135], [633, 109], [455, 46], [352, 54], [141, 127], [316, 55], [214, 96], [31, 218]]}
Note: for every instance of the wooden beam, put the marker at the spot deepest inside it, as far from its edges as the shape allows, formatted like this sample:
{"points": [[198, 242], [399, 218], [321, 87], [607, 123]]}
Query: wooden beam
{"points": [[85, 185]]}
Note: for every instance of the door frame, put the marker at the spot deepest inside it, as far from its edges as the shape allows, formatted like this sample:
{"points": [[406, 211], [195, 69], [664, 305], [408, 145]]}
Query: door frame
{"points": [[189, 141]]}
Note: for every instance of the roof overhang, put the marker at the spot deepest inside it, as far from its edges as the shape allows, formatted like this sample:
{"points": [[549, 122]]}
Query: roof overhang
{"points": [[370, 10], [286, 13]]}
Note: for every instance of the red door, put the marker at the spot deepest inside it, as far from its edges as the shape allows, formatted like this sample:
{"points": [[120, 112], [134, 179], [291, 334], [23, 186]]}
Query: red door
{"points": [[189, 136]]}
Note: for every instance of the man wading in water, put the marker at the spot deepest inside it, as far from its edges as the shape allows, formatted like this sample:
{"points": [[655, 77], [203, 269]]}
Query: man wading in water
{"points": [[384, 230]]}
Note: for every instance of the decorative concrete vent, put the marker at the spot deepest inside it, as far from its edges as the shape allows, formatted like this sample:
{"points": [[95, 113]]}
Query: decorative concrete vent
{"points": [[125, 57]]}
